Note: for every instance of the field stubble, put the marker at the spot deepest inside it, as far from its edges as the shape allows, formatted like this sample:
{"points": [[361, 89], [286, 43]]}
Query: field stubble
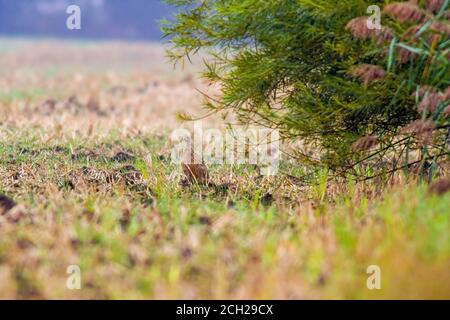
{"points": [[84, 153]]}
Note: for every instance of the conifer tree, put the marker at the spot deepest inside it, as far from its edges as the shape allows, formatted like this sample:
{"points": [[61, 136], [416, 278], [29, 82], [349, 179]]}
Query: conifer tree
{"points": [[318, 72]]}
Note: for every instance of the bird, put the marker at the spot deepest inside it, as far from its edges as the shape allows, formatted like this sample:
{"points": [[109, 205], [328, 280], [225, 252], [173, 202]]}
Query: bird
{"points": [[193, 167]]}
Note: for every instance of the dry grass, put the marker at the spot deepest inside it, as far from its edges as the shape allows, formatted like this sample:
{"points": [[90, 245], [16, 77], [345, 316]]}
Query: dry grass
{"points": [[92, 89], [84, 151]]}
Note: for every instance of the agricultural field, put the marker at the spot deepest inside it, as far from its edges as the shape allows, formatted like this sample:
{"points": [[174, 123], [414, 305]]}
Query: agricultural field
{"points": [[87, 180]]}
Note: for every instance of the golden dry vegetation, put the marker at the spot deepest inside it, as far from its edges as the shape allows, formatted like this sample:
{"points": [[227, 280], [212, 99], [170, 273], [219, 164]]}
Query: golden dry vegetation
{"points": [[85, 155]]}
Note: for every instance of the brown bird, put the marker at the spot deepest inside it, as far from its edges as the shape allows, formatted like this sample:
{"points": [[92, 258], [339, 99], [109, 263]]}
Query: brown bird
{"points": [[194, 171]]}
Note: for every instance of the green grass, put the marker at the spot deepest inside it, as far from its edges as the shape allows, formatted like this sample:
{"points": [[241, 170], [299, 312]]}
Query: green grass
{"points": [[136, 232], [18, 95]]}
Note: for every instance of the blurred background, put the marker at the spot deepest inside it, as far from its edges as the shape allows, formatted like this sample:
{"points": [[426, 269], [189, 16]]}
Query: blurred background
{"points": [[101, 19], [111, 74]]}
